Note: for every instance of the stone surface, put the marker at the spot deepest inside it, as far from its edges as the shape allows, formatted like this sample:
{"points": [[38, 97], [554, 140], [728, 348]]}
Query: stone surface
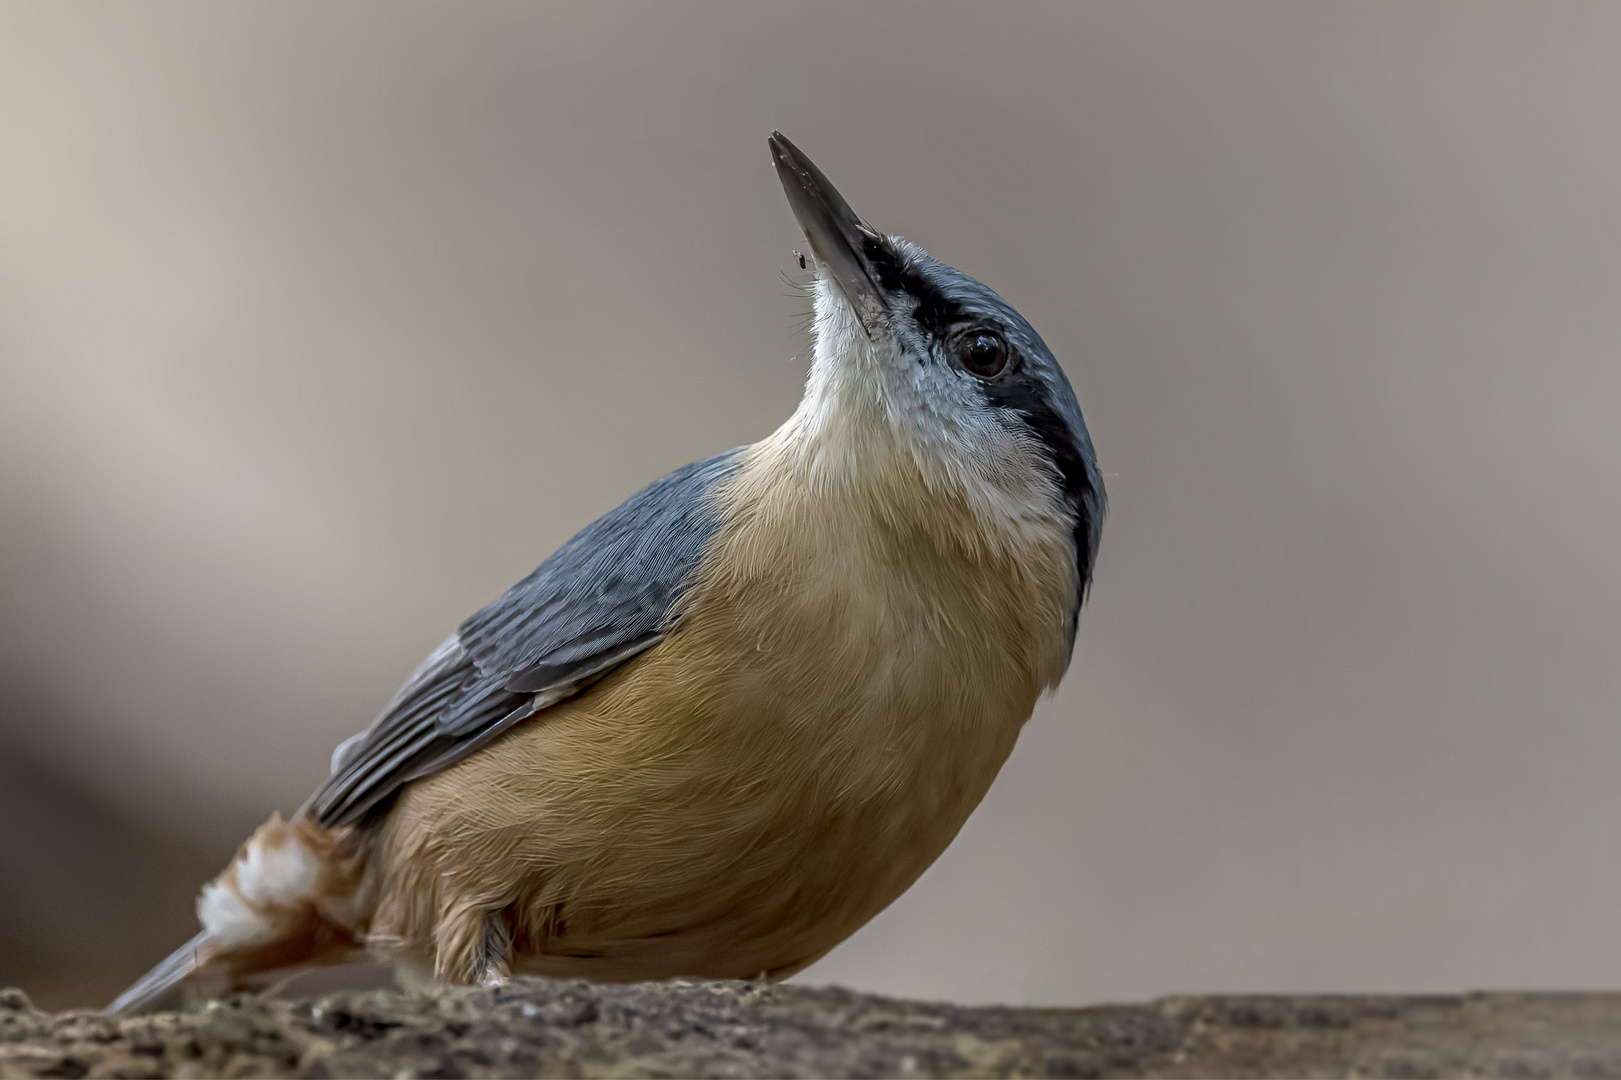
{"points": [[540, 1028]]}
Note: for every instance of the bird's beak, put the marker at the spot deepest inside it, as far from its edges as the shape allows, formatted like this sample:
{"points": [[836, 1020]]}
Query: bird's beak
{"points": [[836, 235]]}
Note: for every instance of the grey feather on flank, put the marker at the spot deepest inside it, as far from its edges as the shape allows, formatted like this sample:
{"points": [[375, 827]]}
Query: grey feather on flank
{"points": [[446, 654], [603, 597], [342, 752]]}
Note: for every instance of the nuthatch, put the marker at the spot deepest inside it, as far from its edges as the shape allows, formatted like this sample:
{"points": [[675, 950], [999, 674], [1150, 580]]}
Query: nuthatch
{"points": [[730, 721]]}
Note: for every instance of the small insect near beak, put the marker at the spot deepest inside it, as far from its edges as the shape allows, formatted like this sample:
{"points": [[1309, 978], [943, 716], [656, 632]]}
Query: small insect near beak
{"points": [[837, 237]]}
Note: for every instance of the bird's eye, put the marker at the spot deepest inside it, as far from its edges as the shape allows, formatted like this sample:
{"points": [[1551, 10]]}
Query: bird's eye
{"points": [[982, 353]]}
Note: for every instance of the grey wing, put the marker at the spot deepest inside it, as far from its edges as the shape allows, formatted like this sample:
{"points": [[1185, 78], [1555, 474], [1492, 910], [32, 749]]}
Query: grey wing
{"points": [[600, 599]]}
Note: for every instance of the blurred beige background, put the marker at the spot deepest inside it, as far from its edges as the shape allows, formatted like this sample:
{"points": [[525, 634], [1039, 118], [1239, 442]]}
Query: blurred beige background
{"points": [[322, 324]]}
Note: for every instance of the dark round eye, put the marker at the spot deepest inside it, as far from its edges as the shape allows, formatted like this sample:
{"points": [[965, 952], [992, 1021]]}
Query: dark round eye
{"points": [[982, 353]]}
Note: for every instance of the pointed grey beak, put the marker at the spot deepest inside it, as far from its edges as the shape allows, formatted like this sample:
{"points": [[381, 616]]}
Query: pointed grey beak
{"points": [[836, 235]]}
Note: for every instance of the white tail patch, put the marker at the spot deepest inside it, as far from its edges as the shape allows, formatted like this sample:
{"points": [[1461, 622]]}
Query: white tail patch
{"points": [[283, 875], [227, 918], [291, 898]]}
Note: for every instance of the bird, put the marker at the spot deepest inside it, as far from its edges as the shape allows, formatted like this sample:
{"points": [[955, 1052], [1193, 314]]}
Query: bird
{"points": [[731, 720]]}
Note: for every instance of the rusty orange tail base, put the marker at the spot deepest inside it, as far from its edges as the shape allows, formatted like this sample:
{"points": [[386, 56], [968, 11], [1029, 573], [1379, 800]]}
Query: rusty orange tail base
{"points": [[289, 899]]}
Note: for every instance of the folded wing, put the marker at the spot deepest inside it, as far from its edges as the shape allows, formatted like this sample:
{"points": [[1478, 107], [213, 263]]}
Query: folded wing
{"points": [[606, 595]]}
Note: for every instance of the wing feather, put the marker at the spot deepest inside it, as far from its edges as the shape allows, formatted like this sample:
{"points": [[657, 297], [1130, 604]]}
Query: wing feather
{"points": [[603, 597]]}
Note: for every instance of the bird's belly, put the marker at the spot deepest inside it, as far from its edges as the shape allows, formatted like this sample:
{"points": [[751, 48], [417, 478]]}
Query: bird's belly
{"points": [[771, 903], [692, 818]]}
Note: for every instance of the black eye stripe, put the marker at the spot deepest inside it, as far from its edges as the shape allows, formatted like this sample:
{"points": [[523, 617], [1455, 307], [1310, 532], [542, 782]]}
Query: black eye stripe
{"points": [[935, 313]]}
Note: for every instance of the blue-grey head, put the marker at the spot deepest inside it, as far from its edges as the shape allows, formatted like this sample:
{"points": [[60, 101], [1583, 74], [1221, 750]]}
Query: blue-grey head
{"points": [[951, 366]]}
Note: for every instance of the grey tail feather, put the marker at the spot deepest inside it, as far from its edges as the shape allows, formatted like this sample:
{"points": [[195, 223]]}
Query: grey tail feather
{"points": [[166, 976]]}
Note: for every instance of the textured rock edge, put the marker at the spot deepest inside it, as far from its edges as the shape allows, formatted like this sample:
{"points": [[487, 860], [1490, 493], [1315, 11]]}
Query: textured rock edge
{"points": [[537, 1027]]}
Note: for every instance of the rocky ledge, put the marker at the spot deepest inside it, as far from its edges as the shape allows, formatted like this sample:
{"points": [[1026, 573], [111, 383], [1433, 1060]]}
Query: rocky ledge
{"points": [[536, 1027]]}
